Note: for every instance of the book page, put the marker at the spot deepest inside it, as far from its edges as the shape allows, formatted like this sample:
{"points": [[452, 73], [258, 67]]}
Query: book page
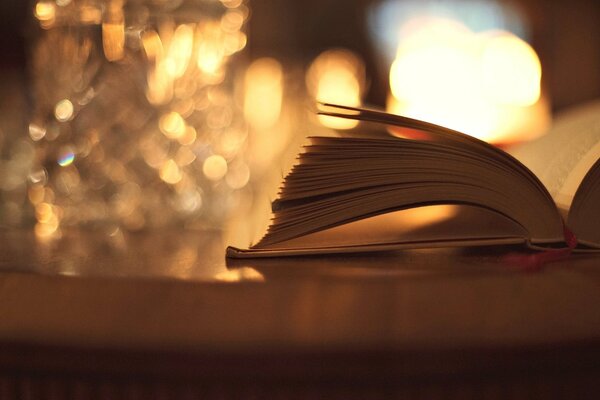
{"points": [[436, 223], [584, 215], [563, 156]]}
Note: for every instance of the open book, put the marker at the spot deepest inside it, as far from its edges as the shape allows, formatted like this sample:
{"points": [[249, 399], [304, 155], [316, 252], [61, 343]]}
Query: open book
{"points": [[435, 187]]}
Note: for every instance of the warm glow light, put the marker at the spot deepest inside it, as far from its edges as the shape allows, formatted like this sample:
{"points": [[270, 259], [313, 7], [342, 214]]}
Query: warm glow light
{"points": [[180, 50], [45, 12], [36, 132], [170, 172], [240, 275], [478, 84], [39, 176], [172, 125], [189, 201], [234, 42], [43, 212], [214, 167], [188, 137], [232, 3], [336, 76], [160, 83], [46, 230], [113, 40], [511, 71], [210, 56], [232, 20], [113, 31], [153, 152], [89, 14], [48, 220], [63, 111], [231, 142], [36, 194], [435, 58], [176, 53], [152, 45], [184, 156], [263, 92], [238, 176], [186, 130]]}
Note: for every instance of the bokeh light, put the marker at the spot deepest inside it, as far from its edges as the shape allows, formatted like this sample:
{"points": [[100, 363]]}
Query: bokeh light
{"points": [[263, 93], [170, 172], [63, 111], [486, 85], [337, 76], [172, 125], [180, 50], [511, 70], [66, 157], [36, 132], [214, 167], [45, 12]]}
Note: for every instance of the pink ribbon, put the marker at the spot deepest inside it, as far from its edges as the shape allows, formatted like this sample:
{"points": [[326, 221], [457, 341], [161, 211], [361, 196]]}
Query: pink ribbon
{"points": [[535, 261]]}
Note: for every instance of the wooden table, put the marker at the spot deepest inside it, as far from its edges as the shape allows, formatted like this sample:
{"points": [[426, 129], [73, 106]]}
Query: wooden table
{"points": [[163, 315]]}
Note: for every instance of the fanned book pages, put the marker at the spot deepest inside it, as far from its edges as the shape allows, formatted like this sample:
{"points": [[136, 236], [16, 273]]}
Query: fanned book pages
{"points": [[433, 187]]}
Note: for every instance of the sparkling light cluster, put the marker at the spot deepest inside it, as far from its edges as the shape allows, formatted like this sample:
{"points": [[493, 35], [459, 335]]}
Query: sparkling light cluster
{"points": [[135, 123]]}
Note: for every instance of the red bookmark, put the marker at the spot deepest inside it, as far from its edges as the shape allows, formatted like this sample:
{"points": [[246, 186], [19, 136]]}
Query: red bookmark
{"points": [[535, 261]]}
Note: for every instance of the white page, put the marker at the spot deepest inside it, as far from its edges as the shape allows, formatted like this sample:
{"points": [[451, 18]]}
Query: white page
{"points": [[562, 157]]}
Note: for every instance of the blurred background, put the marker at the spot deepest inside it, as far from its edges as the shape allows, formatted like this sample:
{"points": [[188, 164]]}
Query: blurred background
{"points": [[132, 115]]}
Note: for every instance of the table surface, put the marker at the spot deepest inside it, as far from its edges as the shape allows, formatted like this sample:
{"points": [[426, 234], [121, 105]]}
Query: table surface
{"points": [[176, 289], [174, 294]]}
